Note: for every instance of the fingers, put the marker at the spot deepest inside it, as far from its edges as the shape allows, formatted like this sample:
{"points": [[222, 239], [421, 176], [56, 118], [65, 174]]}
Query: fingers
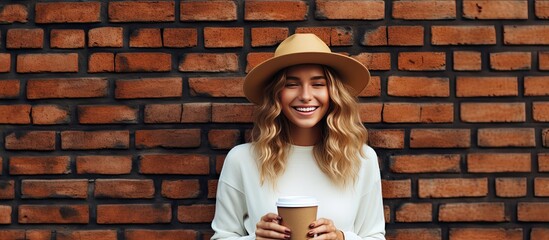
{"points": [[269, 228], [323, 229]]}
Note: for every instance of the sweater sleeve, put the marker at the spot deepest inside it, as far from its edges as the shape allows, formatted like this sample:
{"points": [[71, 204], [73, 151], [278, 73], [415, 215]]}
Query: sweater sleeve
{"points": [[370, 219], [230, 211]]}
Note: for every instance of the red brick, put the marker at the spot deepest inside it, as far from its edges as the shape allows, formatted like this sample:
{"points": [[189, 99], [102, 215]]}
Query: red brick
{"points": [[486, 86], [373, 89], [506, 137], [275, 11], [540, 111], [422, 61], [191, 164], [163, 113], [67, 38], [414, 234], [101, 62], [199, 213], [57, 62], [209, 62], [541, 187], [545, 137], [350, 10], [216, 87], [533, 212], [405, 35], [124, 188], [493, 112], [11, 13], [375, 37], [54, 214], [25, 38], [268, 36], [467, 61], [7, 189], [463, 35], [212, 188], [32, 234], [223, 138], [386, 138], [543, 162], [232, 112], [107, 165], [87, 235], [106, 37], [255, 58], [107, 114], [142, 11], [68, 12], [65, 188], [31, 140], [143, 62], [196, 113], [495, 9], [137, 234], [218, 37], [396, 188], [414, 212], [472, 212], [208, 11], [498, 162], [485, 233], [219, 160], [511, 61], [407, 87], [180, 189], [416, 113], [50, 114], [425, 163], [5, 217], [134, 213], [5, 62], [146, 38], [15, 114], [375, 61], [167, 138], [332, 36], [452, 187], [149, 88], [424, 10], [87, 140], [542, 10], [543, 60], [539, 233], [67, 88], [370, 112], [526, 35], [180, 37], [511, 187], [440, 138], [39, 165]]}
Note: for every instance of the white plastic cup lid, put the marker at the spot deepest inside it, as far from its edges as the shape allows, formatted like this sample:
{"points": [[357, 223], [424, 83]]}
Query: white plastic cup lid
{"points": [[296, 201]]}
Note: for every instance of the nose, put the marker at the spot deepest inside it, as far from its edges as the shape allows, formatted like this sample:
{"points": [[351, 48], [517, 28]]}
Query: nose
{"points": [[305, 94]]}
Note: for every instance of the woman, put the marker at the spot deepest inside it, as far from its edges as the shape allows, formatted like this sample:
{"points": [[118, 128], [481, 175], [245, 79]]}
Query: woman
{"points": [[307, 140]]}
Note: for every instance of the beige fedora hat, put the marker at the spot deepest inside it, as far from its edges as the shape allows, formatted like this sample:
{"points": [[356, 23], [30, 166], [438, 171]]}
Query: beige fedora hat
{"points": [[305, 48]]}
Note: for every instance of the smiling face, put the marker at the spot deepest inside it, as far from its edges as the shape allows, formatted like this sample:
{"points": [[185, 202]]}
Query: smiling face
{"points": [[304, 97]]}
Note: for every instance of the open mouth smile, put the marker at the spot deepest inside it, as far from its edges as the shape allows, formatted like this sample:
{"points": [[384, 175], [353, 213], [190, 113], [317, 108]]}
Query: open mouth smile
{"points": [[305, 109]]}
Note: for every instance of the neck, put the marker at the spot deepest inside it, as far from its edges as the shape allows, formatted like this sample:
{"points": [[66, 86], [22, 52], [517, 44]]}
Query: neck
{"points": [[305, 136]]}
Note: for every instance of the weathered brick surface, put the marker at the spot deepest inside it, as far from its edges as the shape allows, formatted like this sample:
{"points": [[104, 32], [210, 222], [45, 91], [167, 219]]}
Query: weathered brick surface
{"points": [[116, 116]]}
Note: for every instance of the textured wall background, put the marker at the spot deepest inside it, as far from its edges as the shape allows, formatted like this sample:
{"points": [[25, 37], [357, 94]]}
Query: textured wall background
{"points": [[115, 116]]}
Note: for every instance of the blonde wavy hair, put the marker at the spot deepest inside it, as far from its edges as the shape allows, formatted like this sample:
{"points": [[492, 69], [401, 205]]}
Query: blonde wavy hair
{"points": [[342, 137]]}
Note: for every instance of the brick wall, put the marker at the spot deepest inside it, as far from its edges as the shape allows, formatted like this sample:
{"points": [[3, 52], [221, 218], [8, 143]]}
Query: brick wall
{"points": [[115, 116]]}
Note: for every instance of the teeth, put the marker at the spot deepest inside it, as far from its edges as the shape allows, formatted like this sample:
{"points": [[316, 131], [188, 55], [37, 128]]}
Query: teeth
{"points": [[305, 109]]}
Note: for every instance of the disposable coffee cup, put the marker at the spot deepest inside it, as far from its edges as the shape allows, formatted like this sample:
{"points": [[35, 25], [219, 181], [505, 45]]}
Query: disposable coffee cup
{"points": [[297, 213]]}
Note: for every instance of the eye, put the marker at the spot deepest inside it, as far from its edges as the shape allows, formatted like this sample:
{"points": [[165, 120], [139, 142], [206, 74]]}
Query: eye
{"points": [[319, 83], [290, 84]]}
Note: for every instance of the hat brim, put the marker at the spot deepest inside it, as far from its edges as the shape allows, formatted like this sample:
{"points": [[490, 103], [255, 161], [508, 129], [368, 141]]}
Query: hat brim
{"points": [[351, 72]]}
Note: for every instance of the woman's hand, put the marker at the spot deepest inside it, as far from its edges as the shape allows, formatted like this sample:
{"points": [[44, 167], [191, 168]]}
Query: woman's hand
{"points": [[269, 227], [324, 229]]}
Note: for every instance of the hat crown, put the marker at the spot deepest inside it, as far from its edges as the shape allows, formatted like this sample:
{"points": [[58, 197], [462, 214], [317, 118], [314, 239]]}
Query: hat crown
{"points": [[301, 43]]}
